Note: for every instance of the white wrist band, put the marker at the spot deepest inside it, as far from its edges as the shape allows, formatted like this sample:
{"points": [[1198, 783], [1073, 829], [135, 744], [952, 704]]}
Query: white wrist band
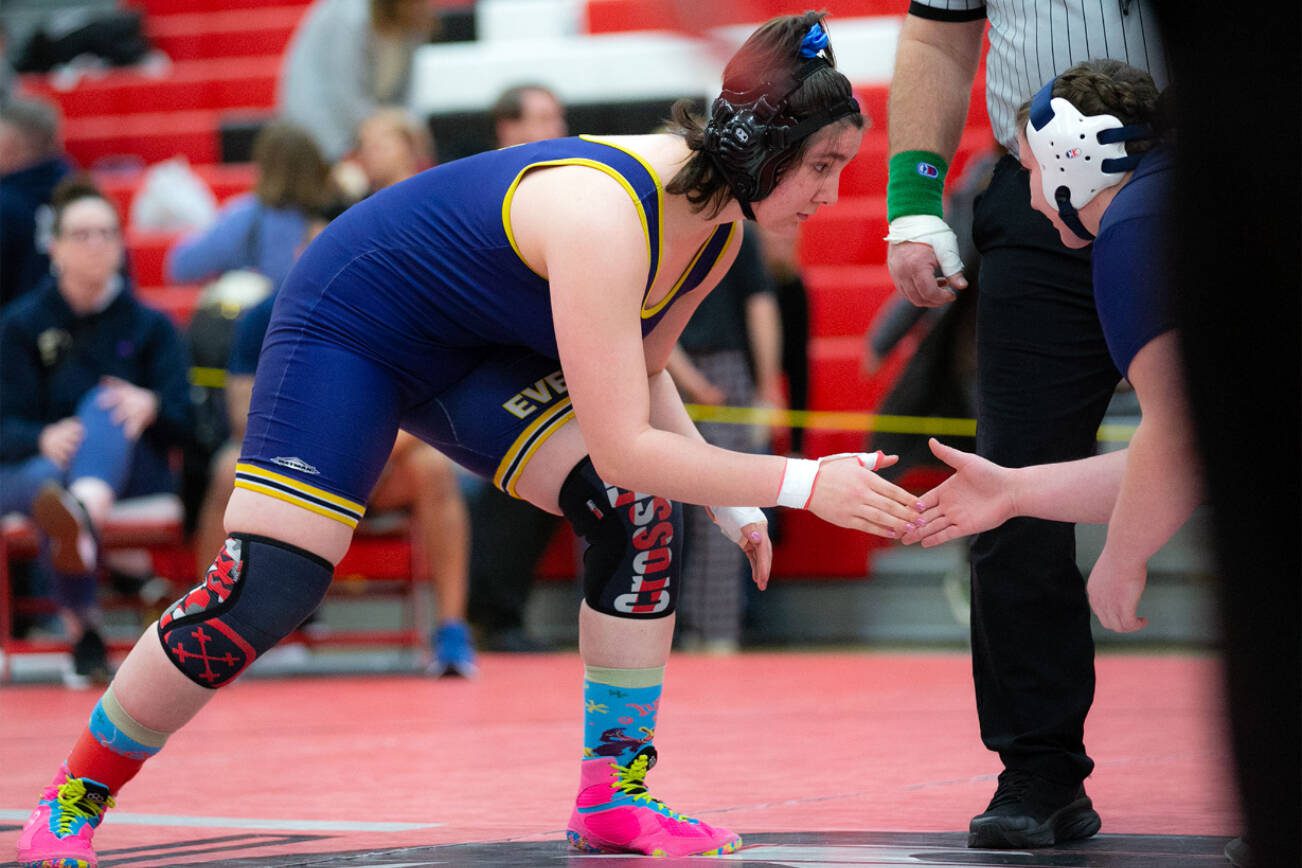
{"points": [[731, 519], [798, 480], [797, 483]]}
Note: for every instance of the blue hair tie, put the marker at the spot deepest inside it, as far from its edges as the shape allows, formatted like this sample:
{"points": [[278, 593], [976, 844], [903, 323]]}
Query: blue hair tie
{"points": [[815, 41]]}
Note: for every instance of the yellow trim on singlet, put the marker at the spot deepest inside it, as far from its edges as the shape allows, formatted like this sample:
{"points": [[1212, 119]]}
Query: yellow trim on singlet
{"points": [[341, 509], [660, 233], [660, 209], [673, 291], [574, 161], [646, 312], [530, 439], [302, 504]]}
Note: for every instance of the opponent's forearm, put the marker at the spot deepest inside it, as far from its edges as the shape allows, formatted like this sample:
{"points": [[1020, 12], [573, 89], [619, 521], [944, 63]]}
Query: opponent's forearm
{"points": [[1082, 492], [935, 63], [1158, 492]]}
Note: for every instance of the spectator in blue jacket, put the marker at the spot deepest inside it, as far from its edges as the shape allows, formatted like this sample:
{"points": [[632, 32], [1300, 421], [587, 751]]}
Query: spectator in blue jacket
{"points": [[95, 395], [264, 230], [31, 164]]}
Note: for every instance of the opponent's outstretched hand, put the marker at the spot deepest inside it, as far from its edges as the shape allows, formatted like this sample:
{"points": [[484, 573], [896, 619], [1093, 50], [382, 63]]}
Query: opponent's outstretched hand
{"points": [[848, 493], [1115, 586], [977, 497]]}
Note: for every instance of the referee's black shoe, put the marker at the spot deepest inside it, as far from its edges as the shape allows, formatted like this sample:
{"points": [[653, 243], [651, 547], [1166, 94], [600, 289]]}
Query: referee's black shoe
{"points": [[1029, 811]]}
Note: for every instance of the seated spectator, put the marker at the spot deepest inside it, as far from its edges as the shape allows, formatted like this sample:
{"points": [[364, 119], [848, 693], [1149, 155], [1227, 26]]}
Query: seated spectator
{"points": [[347, 58], [392, 145], [261, 231], [417, 478], [95, 397], [31, 164]]}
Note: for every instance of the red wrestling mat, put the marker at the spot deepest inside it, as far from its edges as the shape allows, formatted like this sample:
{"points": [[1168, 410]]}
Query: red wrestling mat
{"points": [[820, 754]]}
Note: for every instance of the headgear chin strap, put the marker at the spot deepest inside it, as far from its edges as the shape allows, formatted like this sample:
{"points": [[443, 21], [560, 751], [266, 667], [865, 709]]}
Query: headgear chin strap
{"points": [[751, 137], [1079, 156]]}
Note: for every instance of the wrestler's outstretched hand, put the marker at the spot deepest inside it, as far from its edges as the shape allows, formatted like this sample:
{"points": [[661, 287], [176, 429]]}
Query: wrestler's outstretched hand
{"points": [[848, 493], [979, 496]]}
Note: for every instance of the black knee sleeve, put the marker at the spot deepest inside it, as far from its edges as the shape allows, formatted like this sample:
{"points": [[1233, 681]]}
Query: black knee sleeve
{"points": [[256, 593], [631, 567]]}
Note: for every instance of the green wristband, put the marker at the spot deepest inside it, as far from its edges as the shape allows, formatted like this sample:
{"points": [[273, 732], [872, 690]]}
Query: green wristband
{"points": [[915, 184]]}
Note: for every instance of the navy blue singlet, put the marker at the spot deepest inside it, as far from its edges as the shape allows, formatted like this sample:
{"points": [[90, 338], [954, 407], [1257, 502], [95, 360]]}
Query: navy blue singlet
{"points": [[414, 309]]}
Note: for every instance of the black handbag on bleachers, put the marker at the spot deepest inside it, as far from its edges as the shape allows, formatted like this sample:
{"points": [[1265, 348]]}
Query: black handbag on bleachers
{"points": [[115, 36]]}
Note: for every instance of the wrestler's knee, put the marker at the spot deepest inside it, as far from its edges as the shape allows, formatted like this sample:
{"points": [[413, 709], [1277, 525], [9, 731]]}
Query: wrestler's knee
{"points": [[257, 591], [632, 566]]}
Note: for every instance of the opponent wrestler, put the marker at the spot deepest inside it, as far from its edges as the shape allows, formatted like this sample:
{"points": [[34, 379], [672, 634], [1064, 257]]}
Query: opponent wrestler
{"points": [[1092, 141]]}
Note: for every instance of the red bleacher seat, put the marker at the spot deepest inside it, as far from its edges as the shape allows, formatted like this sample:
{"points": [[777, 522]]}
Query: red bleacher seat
{"points": [[221, 83], [866, 173], [174, 7], [835, 382], [224, 33], [151, 137], [843, 299], [849, 233], [224, 179], [812, 548], [614, 16], [147, 251]]}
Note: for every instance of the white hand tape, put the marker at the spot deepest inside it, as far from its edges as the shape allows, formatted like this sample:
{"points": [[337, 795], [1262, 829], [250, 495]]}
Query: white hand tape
{"points": [[929, 229], [731, 519]]}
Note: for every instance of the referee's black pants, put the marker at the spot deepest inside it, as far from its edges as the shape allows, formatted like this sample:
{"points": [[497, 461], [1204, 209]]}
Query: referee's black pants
{"points": [[1044, 379]]}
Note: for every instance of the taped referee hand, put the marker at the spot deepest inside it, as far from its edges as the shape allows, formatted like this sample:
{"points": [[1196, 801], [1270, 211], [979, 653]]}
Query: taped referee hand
{"points": [[920, 244]]}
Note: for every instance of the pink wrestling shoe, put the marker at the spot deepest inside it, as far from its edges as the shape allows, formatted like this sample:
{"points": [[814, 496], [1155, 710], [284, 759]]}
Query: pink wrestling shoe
{"points": [[615, 814], [58, 832]]}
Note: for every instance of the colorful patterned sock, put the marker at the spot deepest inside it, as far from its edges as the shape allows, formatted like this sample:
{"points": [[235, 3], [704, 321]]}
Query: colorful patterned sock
{"points": [[113, 746], [619, 711]]}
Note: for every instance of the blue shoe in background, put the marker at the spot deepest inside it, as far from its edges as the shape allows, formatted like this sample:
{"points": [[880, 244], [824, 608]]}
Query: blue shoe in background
{"points": [[454, 653]]}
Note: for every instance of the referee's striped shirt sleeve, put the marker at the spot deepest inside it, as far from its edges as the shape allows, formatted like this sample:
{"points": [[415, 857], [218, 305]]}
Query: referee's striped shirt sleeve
{"points": [[948, 10]]}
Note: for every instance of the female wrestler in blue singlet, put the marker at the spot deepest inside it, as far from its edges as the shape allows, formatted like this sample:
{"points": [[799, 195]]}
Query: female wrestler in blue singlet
{"points": [[516, 310]]}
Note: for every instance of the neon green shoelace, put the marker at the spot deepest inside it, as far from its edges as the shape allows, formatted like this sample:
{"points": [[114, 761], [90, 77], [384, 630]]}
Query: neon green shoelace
{"points": [[631, 781], [74, 805]]}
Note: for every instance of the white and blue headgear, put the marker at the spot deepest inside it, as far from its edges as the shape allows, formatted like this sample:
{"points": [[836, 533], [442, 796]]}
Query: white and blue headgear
{"points": [[1079, 156]]}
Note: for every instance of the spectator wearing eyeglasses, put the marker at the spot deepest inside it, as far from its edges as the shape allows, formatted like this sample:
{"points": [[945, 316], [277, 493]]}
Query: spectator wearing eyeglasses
{"points": [[95, 396]]}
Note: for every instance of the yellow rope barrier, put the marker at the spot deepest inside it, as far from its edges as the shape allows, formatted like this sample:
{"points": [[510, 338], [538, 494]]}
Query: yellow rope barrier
{"points": [[813, 420], [829, 420]]}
